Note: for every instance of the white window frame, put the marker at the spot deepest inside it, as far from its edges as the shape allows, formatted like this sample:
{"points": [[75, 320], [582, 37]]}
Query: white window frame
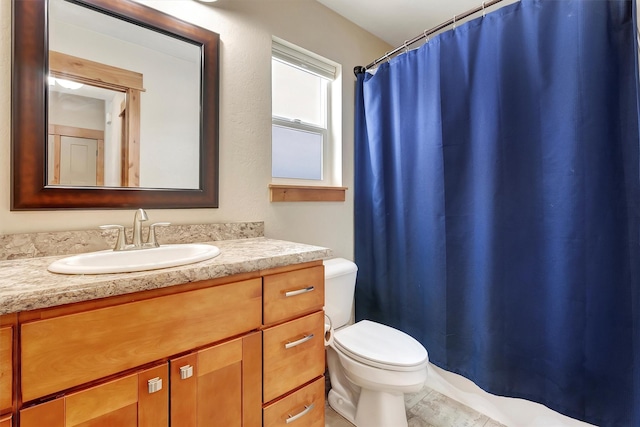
{"points": [[332, 132]]}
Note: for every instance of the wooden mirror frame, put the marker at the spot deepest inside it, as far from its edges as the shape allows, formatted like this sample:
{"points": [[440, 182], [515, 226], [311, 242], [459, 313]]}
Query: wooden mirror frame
{"points": [[29, 127]]}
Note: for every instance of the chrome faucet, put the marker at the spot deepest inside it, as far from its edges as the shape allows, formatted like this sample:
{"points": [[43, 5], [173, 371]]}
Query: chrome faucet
{"points": [[139, 217]]}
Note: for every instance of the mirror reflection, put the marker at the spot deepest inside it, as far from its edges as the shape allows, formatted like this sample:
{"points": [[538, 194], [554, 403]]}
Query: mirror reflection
{"points": [[124, 103]]}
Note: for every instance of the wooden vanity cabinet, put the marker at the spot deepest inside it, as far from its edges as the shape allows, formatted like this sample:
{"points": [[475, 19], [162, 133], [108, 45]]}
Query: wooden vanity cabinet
{"points": [[293, 348], [240, 351], [69, 350], [189, 356]]}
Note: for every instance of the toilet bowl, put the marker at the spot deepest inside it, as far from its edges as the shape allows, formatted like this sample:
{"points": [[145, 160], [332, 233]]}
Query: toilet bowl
{"points": [[371, 366]]}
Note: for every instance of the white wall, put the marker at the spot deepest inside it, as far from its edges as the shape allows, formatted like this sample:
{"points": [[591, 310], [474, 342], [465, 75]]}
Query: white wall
{"points": [[77, 111], [245, 28], [113, 143]]}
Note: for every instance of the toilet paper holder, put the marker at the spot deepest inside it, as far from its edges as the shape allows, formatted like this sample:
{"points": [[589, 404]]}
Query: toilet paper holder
{"points": [[328, 330]]}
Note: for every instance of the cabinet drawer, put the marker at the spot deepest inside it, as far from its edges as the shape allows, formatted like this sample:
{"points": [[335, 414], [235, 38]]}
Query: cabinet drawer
{"points": [[6, 367], [305, 408], [291, 294], [70, 350], [293, 354]]}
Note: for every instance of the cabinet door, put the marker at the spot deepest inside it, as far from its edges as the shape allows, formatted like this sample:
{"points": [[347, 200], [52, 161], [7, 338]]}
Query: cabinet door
{"points": [[153, 397], [5, 421], [218, 386], [134, 400], [6, 368]]}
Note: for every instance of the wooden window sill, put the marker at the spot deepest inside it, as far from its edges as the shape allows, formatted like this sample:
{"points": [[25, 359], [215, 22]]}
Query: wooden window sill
{"points": [[299, 193]]}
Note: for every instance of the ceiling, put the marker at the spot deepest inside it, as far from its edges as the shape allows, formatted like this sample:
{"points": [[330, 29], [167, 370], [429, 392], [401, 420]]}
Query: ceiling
{"points": [[395, 21]]}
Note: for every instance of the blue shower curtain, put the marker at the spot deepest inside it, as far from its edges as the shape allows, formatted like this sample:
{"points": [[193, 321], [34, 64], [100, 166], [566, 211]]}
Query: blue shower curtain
{"points": [[497, 204]]}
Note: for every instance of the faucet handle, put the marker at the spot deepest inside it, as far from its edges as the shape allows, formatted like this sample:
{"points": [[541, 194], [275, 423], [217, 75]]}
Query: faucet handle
{"points": [[121, 243], [151, 239]]}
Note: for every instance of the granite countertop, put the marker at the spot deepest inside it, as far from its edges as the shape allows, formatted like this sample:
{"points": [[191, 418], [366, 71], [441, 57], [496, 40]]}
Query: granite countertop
{"points": [[26, 284]]}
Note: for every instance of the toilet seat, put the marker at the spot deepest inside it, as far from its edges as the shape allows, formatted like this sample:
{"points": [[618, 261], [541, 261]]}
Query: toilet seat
{"points": [[381, 346]]}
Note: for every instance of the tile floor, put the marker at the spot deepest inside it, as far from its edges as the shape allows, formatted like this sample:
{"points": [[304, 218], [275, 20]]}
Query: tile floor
{"points": [[428, 408]]}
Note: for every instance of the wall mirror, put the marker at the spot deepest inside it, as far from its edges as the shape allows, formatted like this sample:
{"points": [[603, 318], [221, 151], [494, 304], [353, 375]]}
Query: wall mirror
{"points": [[114, 105]]}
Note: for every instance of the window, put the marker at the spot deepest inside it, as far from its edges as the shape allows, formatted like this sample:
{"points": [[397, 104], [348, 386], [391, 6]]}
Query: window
{"points": [[305, 145]]}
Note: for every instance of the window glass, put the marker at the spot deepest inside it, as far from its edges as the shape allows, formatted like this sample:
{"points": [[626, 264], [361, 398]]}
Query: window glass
{"points": [[296, 153], [297, 94]]}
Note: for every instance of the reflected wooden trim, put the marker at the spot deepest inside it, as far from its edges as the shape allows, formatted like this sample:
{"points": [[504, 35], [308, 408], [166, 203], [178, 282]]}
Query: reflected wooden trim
{"points": [[133, 138], [93, 73], [100, 164], [57, 146], [297, 193], [76, 132]]}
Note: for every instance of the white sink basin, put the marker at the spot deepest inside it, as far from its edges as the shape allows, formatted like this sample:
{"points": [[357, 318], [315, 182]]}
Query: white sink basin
{"points": [[110, 261]]}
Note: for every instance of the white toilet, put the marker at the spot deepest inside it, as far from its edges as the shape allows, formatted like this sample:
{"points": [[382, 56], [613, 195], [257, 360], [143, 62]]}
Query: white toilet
{"points": [[371, 366]]}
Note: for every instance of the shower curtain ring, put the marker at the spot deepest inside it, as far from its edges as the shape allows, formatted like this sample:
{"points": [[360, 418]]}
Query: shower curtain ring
{"points": [[454, 23], [426, 37], [406, 48], [483, 11], [386, 56]]}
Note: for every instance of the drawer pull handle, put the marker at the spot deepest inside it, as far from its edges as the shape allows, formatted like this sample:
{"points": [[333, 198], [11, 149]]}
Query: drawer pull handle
{"points": [[186, 372], [307, 409], [299, 291], [154, 384], [298, 342]]}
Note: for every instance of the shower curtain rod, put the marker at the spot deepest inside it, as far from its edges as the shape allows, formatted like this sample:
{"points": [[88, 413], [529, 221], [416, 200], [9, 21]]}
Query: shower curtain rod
{"points": [[485, 4]]}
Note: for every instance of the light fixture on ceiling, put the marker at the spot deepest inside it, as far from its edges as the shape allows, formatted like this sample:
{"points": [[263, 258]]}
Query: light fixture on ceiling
{"points": [[67, 84]]}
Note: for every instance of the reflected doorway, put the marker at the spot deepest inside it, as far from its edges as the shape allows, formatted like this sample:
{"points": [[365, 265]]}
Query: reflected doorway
{"points": [[94, 123], [76, 156]]}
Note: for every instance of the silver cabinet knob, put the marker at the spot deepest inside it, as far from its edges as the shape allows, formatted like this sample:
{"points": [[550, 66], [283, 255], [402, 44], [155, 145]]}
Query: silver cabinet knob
{"points": [[154, 384], [186, 372]]}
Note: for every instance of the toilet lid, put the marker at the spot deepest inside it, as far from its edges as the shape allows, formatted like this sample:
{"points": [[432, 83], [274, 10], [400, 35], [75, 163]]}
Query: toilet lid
{"points": [[379, 345]]}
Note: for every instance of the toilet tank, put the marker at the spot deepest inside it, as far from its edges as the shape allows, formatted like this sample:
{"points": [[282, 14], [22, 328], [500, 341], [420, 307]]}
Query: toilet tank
{"points": [[339, 289]]}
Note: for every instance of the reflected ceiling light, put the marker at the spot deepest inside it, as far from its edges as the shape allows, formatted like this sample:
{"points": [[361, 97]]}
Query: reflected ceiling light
{"points": [[67, 84], [207, 1], [52, 81]]}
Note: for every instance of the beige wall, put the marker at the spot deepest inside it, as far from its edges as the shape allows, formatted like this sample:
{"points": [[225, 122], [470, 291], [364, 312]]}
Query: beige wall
{"points": [[245, 28]]}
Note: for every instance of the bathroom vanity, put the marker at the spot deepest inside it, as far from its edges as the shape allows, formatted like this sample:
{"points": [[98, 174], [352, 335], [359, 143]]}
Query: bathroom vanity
{"points": [[233, 341]]}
